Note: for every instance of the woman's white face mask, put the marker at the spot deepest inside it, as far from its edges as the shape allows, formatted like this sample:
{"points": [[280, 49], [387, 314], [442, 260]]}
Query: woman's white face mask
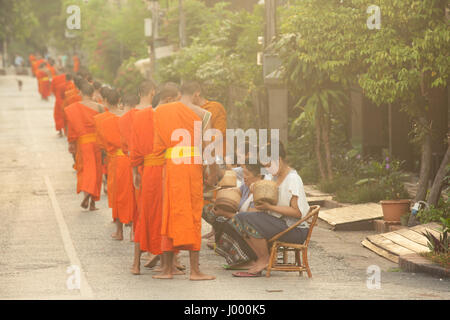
{"points": [[274, 167]]}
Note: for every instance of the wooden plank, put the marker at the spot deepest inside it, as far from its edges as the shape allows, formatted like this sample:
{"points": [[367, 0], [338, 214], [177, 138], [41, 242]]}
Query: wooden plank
{"points": [[388, 245], [405, 242], [366, 243], [435, 226], [350, 214], [412, 235], [319, 199], [421, 229]]}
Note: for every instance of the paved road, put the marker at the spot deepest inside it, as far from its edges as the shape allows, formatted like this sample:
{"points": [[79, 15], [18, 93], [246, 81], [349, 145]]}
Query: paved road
{"points": [[43, 231]]}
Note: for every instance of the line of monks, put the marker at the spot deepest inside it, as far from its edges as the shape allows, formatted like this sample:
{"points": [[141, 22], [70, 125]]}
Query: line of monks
{"points": [[130, 139]]}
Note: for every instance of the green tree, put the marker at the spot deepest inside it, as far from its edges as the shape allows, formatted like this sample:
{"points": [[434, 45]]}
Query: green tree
{"points": [[406, 59], [17, 21], [319, 47]]}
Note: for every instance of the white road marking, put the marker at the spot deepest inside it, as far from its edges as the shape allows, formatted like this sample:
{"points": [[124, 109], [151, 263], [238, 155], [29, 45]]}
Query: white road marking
{"points": [[85, 289]]}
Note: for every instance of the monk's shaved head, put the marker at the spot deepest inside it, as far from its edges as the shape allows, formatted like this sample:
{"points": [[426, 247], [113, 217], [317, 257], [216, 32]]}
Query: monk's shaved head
{"points": [[86, 88], [130, 100], [146, 88], [190, 88], [78, 81], [112, 97], [97, 85], [104, 91], [169, 90]]}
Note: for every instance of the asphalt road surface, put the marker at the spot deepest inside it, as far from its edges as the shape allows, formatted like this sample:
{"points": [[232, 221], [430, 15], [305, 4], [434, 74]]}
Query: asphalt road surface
{"points": [[47, 240]]}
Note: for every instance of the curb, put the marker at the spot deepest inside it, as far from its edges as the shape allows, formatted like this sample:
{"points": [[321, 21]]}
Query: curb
{"points": [[416, 263]]}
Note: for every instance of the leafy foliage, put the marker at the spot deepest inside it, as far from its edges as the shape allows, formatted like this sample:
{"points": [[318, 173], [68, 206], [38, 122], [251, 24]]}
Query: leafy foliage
{"points": [[128, 77]]}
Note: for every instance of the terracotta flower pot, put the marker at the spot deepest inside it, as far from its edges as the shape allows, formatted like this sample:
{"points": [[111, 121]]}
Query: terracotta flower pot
{"points": [[394, 209]]}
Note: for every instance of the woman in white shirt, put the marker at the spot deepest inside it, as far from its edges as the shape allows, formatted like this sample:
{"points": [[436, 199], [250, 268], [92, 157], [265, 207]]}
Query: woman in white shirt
{"points": [[266, 220]]}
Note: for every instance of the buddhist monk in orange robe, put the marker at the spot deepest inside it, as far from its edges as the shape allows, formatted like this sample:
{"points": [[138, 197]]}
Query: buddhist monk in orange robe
{"points": [[70, 94], [50, 67], [218, 122], [148, 229], [42, 74], [124, 202], [113, 99], [35, 65], [58, 83], [82, 138], [129, 102], [218, 113], [178, 131], [76, 63], [32, 59]]}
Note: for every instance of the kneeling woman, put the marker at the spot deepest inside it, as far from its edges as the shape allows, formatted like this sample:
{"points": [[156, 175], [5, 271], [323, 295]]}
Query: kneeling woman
{"points": [[265, 221]]}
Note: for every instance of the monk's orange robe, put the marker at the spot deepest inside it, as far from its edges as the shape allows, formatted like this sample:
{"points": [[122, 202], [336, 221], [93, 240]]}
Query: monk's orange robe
{"points": [[183, 183], [148, 228], [125, 127], [57, 83], [218, 119], [35, 65], [98, 119], [44, 83], [51, 69], [81, 129], [32, 59], [76, 64], [70, 96], [124, 202]]}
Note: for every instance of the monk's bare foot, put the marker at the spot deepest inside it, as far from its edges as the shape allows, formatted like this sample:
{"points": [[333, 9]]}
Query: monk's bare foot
{"points": [[158, 269], [163, 276], [177, 272], [209, 235], [118, 237], [136, 270], [131, 236], [180, 267], [85, 202], [92, 206], [152, 262], [198, 276], [60, 134]]}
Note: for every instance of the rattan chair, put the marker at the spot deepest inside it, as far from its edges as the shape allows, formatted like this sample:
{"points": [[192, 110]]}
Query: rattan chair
{"points": [[301, 262]]}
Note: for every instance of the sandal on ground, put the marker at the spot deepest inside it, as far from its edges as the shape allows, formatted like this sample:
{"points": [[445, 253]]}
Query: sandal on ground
{"points": [[247, 274]]}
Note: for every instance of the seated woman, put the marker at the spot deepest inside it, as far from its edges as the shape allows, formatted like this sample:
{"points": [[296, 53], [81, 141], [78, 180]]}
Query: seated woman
{"points": [[258, 225], [229, 243]]}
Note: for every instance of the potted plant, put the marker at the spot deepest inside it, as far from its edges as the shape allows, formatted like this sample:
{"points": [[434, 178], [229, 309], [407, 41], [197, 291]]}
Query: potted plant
{"points": [[388, 176], [396, 202]]}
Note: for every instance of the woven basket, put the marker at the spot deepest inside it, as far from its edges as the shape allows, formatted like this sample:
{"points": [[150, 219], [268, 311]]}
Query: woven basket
{"points": [[229, 179], [265, 190], [228, 199]]}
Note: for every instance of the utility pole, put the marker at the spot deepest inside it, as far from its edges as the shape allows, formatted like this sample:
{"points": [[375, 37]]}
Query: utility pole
{"points": [[271, 21], [277, 113], [182, 26]]}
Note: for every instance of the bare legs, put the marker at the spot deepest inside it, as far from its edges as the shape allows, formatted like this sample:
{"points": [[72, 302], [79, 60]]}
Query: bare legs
{"points": [[262, 254], [118, 235], [136, 268], [86, 204], [168, 267]]}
